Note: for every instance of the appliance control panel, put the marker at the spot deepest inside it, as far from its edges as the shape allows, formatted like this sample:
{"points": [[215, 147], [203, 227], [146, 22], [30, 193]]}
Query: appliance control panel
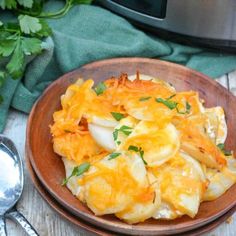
{"points": [[154, 8]]}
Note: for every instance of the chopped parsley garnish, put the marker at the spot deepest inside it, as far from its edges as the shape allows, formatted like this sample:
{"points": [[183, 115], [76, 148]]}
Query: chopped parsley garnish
{"points": [[173, 95], [67, 131], [124, 129], [114, 155], [77, 171], [187, 111], [154, 197], [227, 153], [117, 116], [133, 148], [174, 105], [170, 104], [100, 88], [142, 99], [138, 150], [115, 134], [188, 107], [221, 146]]}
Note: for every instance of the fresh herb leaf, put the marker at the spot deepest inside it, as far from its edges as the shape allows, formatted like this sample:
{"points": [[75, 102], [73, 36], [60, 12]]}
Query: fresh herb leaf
{"points": [[221, 146], [67, 131], [13, 28], [115, 134], [114, 155], [77, 171], [8, 4], [118, 142], [31, 46], [29, 24], [45, 30], [15, 65], [138, 150], [187, 111], [141, 152], [2, 77], [173, 95], [227, 153], [188, 107], [7, 47], [13, 41], [26, 3], [117, 116], [154, 197], [133, 148], [174, 105], [101, 87], [170, 104], [142, 99], [123, 129]]}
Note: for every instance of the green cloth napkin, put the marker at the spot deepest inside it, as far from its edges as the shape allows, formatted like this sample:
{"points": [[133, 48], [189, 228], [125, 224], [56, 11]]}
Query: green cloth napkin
{"points": [[90, 33]]}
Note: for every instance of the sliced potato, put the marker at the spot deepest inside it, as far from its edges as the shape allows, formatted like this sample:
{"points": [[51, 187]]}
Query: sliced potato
{"points": [[103, 136], [220, 181], [216, 125], [182, 183], [199, 145], [111, 185], [143, 206], [72, 183], [166, 212], [159, 144]]}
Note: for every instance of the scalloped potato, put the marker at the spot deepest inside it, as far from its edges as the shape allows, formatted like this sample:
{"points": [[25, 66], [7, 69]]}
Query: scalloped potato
{"points": [[135, 147]]}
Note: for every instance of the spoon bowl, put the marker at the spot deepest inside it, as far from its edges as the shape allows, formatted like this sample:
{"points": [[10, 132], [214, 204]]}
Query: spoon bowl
{"points": [[11, 175], [11, 186]]}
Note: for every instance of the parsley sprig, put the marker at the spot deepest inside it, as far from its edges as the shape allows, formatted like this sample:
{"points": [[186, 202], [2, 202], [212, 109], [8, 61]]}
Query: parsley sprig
{"points": [[170, 104], [100, 88], [221, 146], [114, 155], [187, 111], [77, 171], [126, 130], [25, 35], [142, 99], [138, 150], [174, 105], [117, 116]]}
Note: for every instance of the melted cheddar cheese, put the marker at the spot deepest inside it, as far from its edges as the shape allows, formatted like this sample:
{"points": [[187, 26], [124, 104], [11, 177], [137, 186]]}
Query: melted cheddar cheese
{"points": [[136, 148]]}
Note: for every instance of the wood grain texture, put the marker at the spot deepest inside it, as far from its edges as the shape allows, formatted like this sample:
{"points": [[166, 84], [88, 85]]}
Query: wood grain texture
{"points": [[40, 214], [183, 79]]}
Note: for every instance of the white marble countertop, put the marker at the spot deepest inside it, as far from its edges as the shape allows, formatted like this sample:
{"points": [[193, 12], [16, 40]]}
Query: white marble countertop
{"points": [[46, 221]]}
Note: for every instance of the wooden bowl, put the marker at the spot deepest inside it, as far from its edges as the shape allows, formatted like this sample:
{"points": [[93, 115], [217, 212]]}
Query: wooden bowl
{"points": [[49, 167], [102, 232]]}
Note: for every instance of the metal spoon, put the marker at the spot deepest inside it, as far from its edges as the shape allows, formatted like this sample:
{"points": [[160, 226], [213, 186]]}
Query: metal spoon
{"points": [[11, 186]]}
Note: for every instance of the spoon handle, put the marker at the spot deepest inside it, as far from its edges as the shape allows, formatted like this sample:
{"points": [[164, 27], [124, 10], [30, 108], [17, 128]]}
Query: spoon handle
{"points": [[20, 219], [3, 231]]}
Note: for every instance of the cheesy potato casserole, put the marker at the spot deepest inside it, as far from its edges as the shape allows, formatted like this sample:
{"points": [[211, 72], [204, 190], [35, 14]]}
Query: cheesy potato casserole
{"points": [[135, 147]]}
